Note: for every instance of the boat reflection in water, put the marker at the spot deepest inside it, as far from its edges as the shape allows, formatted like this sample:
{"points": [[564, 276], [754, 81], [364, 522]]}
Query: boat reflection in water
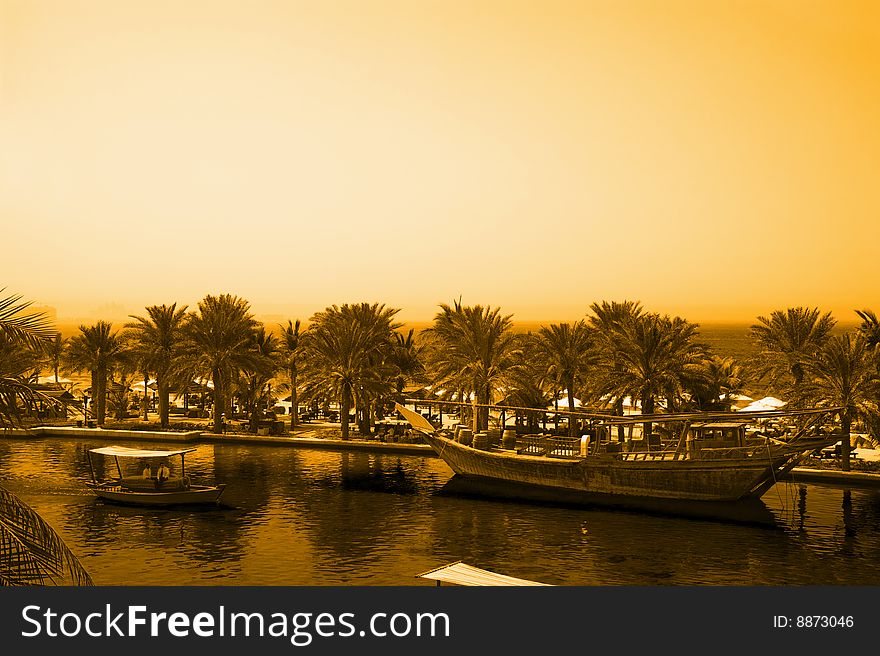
{"points": [[749, 511]]}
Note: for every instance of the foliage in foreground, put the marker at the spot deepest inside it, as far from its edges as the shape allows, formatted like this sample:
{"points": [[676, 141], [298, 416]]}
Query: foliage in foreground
{"points": [[31, 552]]}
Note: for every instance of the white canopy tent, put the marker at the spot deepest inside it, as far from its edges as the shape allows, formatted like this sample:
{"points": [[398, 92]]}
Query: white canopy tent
{"points": [[766, 404], [139, 386], [563, 402], [50, 380]]}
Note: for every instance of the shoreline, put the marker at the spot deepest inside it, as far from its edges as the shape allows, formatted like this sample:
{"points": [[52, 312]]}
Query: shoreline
{"points": [[306, 439], [309, 440]]}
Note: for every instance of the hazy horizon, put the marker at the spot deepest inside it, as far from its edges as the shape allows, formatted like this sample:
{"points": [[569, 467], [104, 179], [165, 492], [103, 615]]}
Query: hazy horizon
{"points": [[70, 322], [713, 160], [117, 312]]}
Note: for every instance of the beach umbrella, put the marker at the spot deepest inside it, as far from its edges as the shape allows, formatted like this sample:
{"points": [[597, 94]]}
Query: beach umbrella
{"points": [[50, 380], [563, 403], [759, 406], [139, 386]]}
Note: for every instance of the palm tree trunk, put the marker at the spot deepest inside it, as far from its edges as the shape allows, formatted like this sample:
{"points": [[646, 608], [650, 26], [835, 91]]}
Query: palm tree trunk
{"points": [[218, 400], [618, 410], [94, 397], [146, 395], [648, 409], [227, 397], [846, 424], [253, 412], [294, 401], [555, 412], [344, 408], [101, 399], [572, 424], [475, 418], [486, 399], [163, 402], [364, 426]]}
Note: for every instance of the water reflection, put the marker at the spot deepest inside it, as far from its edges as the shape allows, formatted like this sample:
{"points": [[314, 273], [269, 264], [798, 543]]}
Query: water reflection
{"points": [[296, 516]]}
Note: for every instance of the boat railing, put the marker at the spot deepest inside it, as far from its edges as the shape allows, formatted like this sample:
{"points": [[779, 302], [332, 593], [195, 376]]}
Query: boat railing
{"points": [[570, 447], [563, 447], [725, 453], [548, 445], [632, 456], [699, 453]]}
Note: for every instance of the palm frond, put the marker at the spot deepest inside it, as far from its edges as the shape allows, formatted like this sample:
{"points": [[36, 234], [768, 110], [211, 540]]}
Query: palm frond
{"points": [[31, 552], [31, 329]]}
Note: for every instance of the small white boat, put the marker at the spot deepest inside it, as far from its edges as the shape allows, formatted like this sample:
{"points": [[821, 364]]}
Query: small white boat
{"points": [[150, 478]]}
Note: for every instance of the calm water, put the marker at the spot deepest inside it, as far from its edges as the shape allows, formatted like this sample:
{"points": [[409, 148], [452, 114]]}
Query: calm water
{"points": [[302, 516]]}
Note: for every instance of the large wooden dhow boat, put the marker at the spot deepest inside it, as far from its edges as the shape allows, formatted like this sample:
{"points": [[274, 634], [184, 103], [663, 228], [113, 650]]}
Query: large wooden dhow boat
{"points": [[710, 459]]}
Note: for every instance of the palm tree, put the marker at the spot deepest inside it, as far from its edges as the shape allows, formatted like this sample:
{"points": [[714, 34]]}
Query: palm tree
{"points": [[118, 393], [31, 552], [718, 378], [471, 348], [19, 365], [97, 349], [870, 328], [525, 384], [344, 353], [217, 345], [787, 340], [563, 352], [53, 351], [157, 340], [23, 337], [651, 357], [291, 352], [406, 358], [255, 387], [843, 373], [609, 322]]}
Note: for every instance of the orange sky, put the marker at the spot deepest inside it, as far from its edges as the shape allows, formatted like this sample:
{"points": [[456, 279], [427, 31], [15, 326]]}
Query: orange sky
{"points": [[715, 159]]}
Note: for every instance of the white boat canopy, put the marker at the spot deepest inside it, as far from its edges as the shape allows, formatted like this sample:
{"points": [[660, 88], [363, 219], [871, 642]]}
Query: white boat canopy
{"points": [[125, 452], [460, 573]]}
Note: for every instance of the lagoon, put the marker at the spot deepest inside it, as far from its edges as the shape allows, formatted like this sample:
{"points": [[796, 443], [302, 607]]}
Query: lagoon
{"points": [[318, 517]]}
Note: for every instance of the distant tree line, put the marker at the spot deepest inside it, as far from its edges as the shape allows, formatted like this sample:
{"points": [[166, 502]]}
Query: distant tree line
{"points": [[356, 355]]}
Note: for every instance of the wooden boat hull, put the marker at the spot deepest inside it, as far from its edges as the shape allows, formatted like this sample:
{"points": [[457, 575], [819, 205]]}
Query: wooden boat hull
{"points": [[611, 477], [195, 495], [751, 510]]}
